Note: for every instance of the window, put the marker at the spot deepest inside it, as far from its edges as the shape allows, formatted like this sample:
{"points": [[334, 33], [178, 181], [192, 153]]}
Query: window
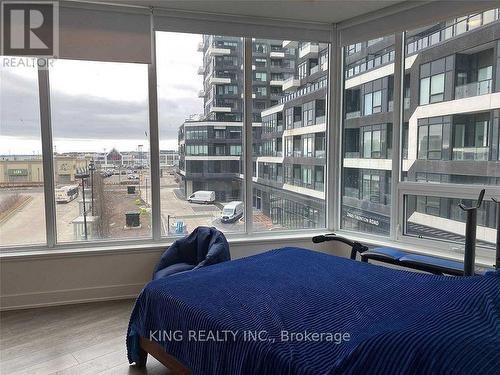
{"points": [[470, 137], [261, 76], [290, 161], [302, 69], [260, 91], [432, 89], [22, 212], [366, 193], [455, 139], [373, 102], [308, 113], [100, 127], [205, 131], [372, 144], [307, 145], [261, 63], [235, 150], [430, 138]]}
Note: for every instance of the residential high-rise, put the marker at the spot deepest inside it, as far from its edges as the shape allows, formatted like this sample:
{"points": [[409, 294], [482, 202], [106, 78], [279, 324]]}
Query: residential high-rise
{"points": [[450, 124], [210, 144]]}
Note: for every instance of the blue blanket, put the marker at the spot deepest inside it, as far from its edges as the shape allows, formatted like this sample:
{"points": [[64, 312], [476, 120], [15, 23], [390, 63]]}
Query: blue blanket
{"points": [[254, 315]]}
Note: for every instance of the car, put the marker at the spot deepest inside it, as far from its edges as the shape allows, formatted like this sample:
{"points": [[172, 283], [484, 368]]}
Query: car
{"points": [[232, 212], [133, 177], [202, 196]]}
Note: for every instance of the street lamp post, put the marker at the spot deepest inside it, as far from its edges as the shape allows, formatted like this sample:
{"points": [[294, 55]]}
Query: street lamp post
{"points": [[83, 176], [92, 169]]}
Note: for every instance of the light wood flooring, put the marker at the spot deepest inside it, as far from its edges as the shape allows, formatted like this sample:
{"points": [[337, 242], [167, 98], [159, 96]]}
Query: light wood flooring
{"points": [[78, 339]]}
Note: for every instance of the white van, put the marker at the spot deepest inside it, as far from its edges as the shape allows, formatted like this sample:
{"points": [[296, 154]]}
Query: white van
{"points": [[232, 212], [202, 196]]}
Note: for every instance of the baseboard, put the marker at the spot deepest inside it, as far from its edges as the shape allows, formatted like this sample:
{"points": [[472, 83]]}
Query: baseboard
{"points": [[69, 296]]}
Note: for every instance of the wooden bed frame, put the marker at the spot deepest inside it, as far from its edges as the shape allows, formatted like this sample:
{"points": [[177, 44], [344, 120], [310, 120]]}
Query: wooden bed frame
{"points": [[155, 350]]}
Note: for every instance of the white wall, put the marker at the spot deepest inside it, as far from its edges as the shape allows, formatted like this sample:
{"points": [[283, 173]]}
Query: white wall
{"points": [[54, 279]]}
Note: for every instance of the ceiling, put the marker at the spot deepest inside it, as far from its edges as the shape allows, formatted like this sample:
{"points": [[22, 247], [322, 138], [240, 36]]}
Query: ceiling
{"points": [[328, 11]]}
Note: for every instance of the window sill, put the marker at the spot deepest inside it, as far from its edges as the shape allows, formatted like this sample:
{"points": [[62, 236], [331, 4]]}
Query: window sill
{"points": [[88, 249], [272, 238]]}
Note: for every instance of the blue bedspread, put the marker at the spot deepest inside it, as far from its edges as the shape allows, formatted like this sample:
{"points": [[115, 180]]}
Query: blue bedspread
{"points": [[399, 322]]}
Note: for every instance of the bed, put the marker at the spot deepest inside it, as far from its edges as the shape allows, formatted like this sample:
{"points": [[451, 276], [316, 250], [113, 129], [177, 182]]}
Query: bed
{"points": [[269, 306]]}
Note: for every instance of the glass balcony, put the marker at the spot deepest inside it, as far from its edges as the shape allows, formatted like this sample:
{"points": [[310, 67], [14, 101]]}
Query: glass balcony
{"points": [[473, 89], [471, 153], [354, 114]]}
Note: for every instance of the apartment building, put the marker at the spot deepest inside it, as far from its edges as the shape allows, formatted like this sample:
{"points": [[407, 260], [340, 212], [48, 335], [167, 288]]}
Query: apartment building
{"points": [[290, 154], [210, 144], [450, 129]]}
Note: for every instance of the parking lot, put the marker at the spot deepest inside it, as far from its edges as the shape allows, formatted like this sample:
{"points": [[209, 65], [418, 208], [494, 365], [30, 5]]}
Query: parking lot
{"points": [[26, 224]]}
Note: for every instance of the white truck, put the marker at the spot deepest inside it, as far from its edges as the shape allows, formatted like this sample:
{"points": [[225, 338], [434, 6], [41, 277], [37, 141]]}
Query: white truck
{"points": [[202, 196], [232, 212]]}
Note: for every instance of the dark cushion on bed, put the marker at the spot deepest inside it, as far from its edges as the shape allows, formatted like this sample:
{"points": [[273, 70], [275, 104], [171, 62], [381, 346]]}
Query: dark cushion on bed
{"points": [[203, 247], [174, 268], [385, 253], [429, 261]]}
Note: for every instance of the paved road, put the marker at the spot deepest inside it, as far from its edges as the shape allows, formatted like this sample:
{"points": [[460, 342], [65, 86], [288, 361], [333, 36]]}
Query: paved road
{"points": [[28, 224]]}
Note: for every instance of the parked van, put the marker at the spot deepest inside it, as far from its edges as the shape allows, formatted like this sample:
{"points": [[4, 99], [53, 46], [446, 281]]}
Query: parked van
{"points": [[232, 212], [202, 196]]}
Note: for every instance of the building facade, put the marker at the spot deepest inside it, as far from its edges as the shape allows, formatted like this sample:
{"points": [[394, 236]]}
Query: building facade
{"points": [[289, 87], [450, 129], [289, 161]]}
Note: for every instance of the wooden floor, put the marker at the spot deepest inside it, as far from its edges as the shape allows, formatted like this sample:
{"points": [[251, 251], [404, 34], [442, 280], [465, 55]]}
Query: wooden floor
{"points": [[78, 339]]}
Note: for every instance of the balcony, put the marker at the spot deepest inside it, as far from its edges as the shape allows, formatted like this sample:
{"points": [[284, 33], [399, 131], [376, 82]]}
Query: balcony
{"points": [[473, 89], [276, 82], [201, 70], [277, 55], [214, 51], [220, 108], [309, 50], [314, 69], [290, 44], [350, 115], [471, 153], [291, 84], [219, 80]]}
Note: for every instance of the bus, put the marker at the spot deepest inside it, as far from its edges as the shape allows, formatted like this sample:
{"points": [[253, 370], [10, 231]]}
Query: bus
{"points": [[66, 194]]}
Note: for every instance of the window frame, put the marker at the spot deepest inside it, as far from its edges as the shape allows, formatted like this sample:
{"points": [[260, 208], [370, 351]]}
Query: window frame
{"points": [[338, 35]]}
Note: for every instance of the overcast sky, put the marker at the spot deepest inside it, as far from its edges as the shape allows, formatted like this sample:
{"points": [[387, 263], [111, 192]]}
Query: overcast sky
{"points": [[97, 106]]}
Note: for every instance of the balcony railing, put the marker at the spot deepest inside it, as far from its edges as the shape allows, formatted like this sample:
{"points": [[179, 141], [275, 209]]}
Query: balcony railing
{"points": [[304, 91], [450, 31], [354, 114], [471, 153], [352, 155], [365, 65], [473, 89]]}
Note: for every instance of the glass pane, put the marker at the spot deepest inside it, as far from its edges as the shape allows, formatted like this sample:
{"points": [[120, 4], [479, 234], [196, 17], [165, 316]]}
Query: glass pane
{"points": [[424, 90], [442, 219], [366, 190], [459, 137], [457, 132], [200, 109], [100, 132], [289, 189], [22, 203], [437, 84]]}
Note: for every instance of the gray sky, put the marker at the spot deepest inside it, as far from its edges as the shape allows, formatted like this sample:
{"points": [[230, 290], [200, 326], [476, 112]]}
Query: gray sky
{"points": [[97, 106]]}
